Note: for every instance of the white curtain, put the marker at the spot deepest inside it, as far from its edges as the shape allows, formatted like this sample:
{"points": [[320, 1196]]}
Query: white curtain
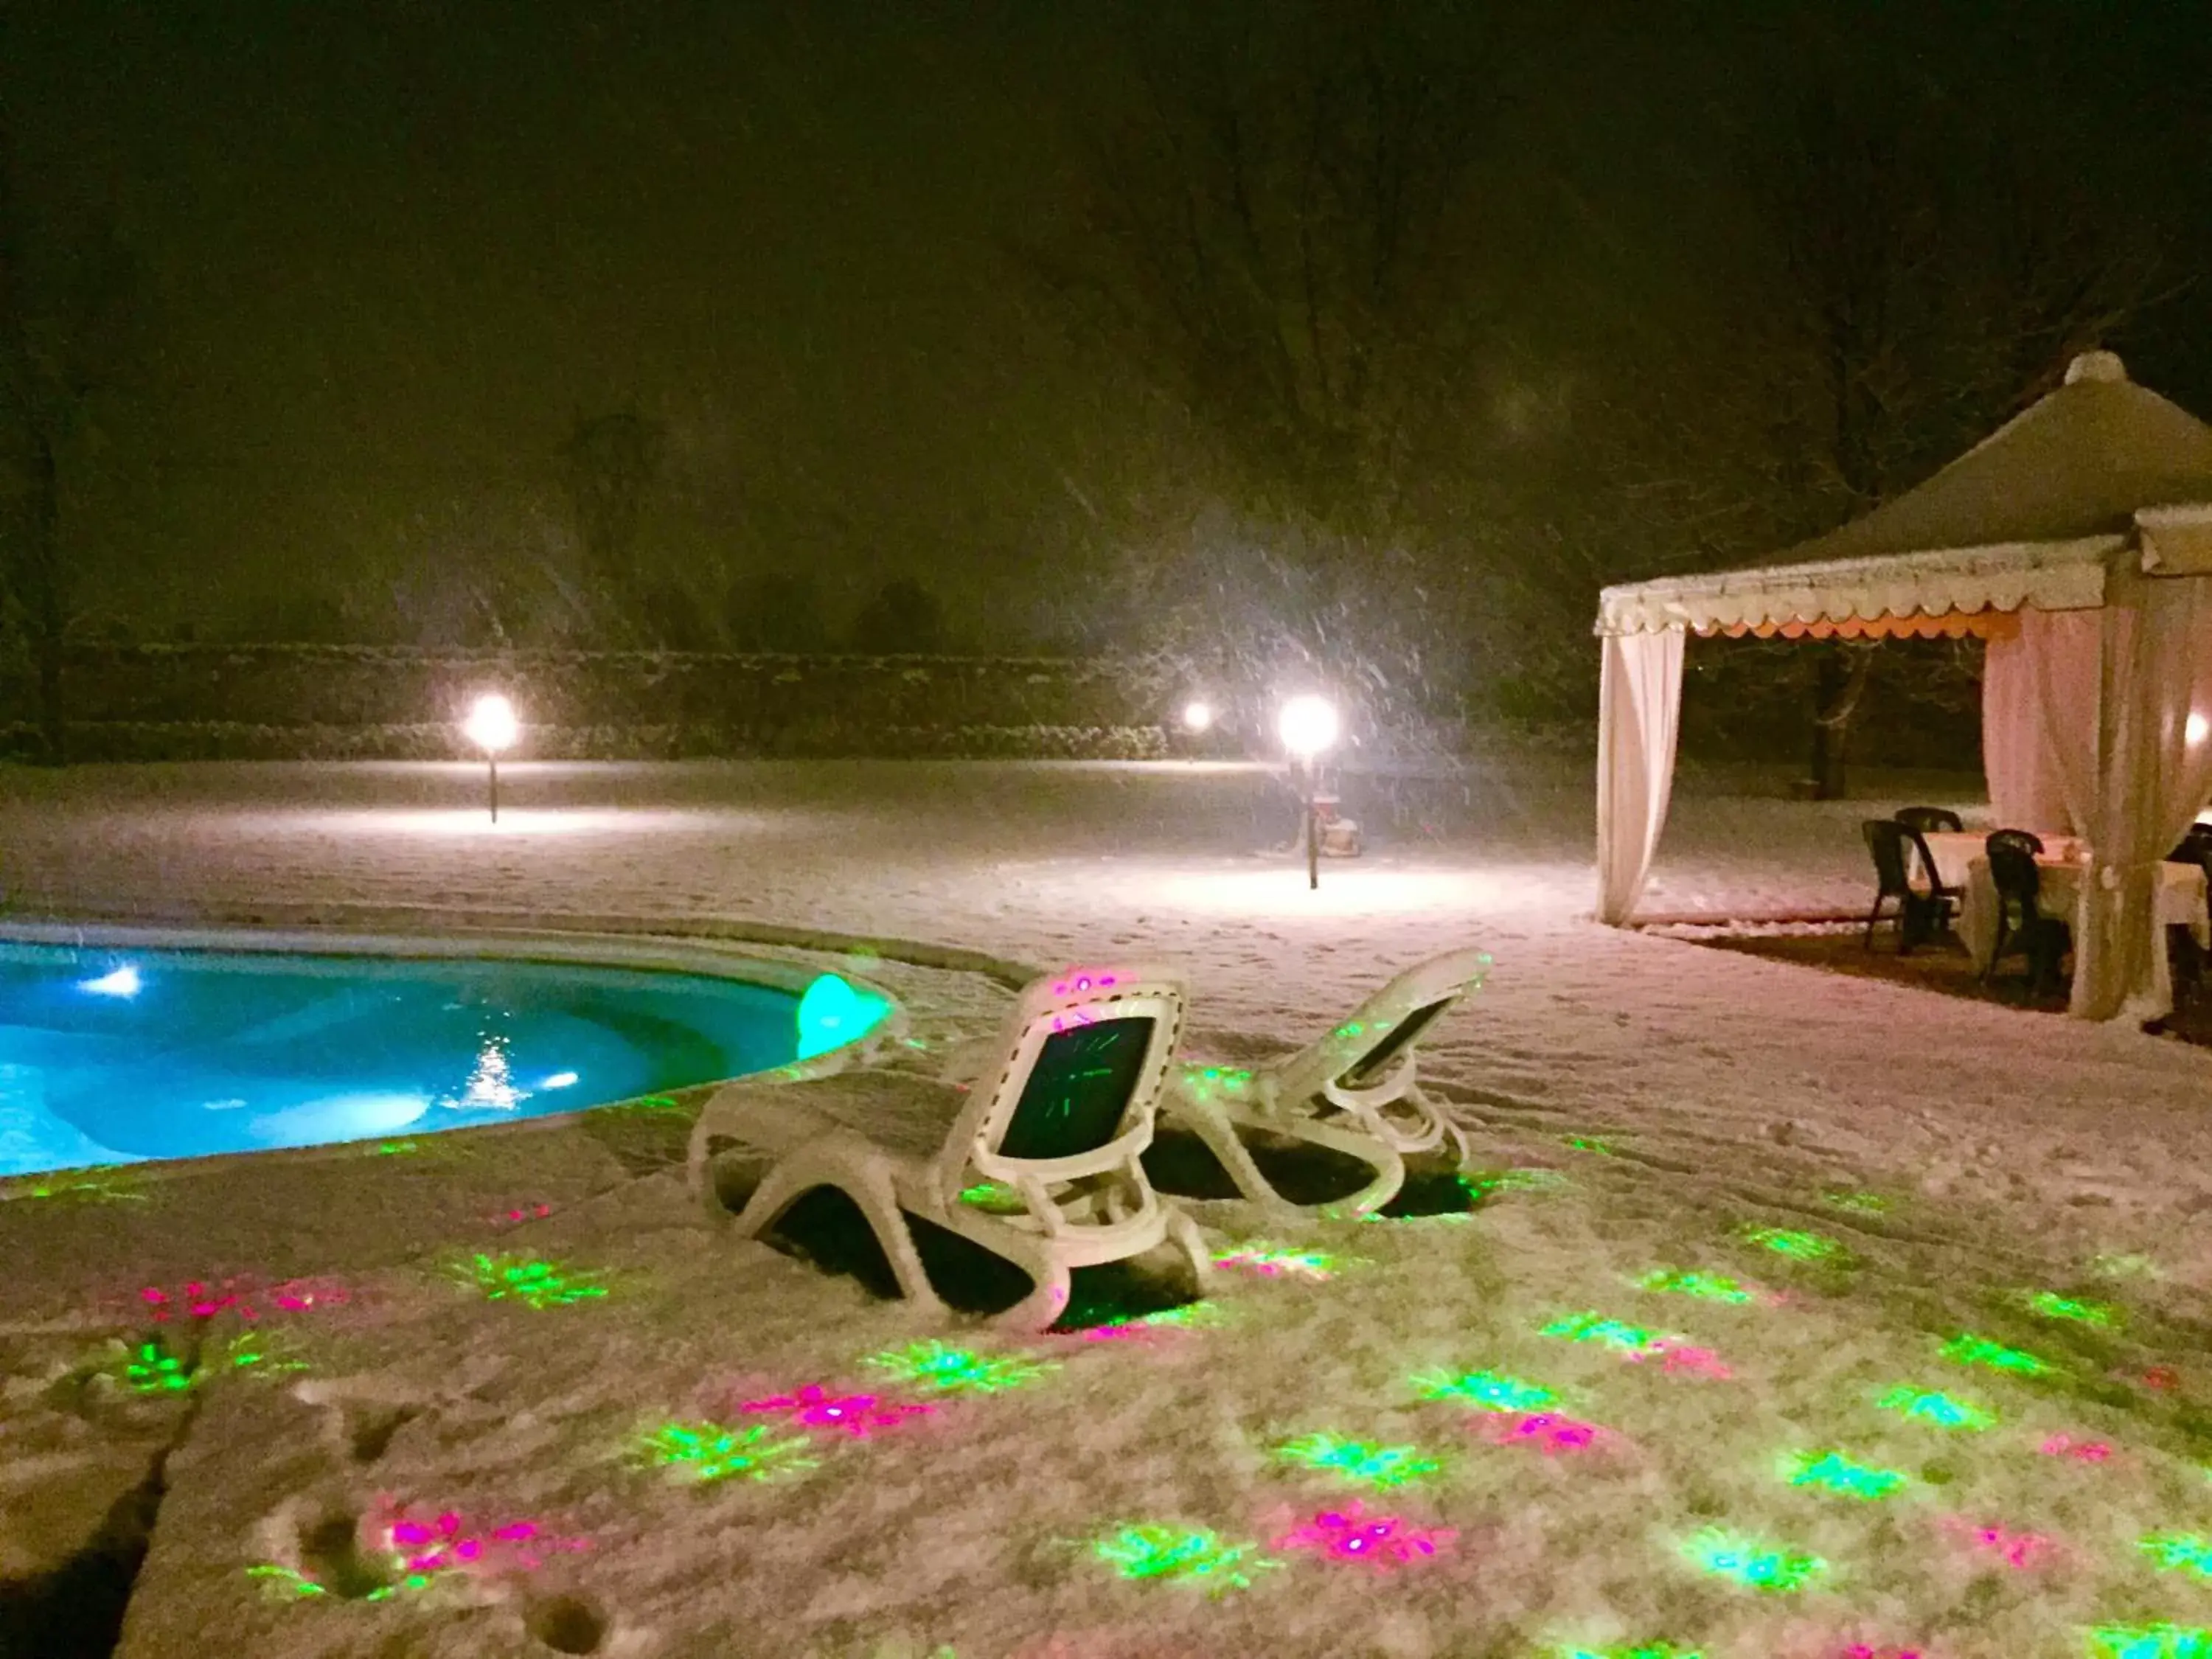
{"points": [[2039, 692], [1639, 713], [2158, 732]]}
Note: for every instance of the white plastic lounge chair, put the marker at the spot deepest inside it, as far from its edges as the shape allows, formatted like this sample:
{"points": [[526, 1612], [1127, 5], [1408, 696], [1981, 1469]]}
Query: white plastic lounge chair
{"points": [[1056, 1124], [1353, 1091]]}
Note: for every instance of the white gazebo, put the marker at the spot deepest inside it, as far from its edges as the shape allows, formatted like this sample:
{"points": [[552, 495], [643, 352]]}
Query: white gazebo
{"points": [[2077, 541]]}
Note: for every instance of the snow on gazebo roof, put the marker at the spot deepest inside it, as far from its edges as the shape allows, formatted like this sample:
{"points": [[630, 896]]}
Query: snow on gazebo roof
{"points": [[2028, 516]]}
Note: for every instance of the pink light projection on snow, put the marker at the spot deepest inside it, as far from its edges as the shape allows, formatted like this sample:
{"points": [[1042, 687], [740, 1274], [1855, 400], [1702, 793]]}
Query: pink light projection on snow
{"points": [[1861, 1650], [2025, 1551], [1385, 1542], [2081, 1451], [860, 1415], [447, 1543], [1083, 981], [1680, 1358], [521, 1212], [199, 1299], [1548, 1431]]}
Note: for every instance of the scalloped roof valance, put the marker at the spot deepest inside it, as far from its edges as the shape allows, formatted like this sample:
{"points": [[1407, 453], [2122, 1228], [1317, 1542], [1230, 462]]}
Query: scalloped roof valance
{"points": [[2029, 516], [1877, 595]]}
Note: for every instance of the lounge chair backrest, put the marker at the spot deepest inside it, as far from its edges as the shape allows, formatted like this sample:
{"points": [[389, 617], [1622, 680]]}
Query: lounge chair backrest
{"points": [[1375, 1048], [1082, 1057]]}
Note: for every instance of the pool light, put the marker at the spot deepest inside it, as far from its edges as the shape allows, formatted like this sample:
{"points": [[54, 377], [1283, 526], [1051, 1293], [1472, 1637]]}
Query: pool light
{"points": [[122, 981], [833, 1012], [1197, 715], [560, 1080], [492, 726]]}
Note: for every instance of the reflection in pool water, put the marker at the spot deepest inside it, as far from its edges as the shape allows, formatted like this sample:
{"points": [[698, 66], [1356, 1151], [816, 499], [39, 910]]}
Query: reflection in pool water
{"points": [[106, 1057]]}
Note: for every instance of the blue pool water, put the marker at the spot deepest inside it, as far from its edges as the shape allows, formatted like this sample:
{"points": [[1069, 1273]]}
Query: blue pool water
{"points": [[109, 1056]]}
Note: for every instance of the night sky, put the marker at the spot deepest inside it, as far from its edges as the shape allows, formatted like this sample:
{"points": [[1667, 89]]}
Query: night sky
{"points": [[389, 253]]}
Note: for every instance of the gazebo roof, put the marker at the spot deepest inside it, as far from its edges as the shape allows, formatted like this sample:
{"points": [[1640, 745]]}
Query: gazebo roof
{"points": [[2028, 516]]}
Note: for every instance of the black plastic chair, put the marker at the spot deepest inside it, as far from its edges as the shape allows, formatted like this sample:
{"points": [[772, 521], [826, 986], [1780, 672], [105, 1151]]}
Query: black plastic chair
{"points": [[2021, 925], [1929, 819], [2194, 848], [1920, 916]]}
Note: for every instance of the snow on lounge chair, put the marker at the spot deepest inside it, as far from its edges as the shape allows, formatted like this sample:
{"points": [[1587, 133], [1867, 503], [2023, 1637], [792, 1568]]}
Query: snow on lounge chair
{"points": [[1060, 1122], [1353, 1091]]}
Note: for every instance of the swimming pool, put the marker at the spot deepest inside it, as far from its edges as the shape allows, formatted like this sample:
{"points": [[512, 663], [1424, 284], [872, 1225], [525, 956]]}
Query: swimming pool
{"points": [[114, 1053]]}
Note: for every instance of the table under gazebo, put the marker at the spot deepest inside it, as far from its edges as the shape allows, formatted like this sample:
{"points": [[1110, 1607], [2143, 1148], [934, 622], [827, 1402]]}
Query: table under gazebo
{"points": [[2076, 542]]}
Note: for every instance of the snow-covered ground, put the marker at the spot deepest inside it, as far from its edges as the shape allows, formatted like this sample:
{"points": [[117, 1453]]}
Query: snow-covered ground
{"points": [[2014, 1153]]}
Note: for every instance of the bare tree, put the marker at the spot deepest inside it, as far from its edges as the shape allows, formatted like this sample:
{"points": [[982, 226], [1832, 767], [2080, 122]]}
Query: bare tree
{"points": [[1277, 230], [65, 294], [1908, 276], [610, 464]]}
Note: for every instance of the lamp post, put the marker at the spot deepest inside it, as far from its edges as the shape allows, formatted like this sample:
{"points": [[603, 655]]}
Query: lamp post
{"points": [[1197, 721], [491, 726], [1307, 725]]}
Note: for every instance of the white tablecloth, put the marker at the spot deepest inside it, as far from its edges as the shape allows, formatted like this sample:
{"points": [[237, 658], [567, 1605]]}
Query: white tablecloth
{"points": [[1954, 853], [2180, 904]]}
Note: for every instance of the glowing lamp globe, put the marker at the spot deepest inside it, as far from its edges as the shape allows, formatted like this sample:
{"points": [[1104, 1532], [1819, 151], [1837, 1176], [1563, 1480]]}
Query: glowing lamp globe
{"points": [[1197, 715], [2195, 729], [491, 725], [1308, 726]]}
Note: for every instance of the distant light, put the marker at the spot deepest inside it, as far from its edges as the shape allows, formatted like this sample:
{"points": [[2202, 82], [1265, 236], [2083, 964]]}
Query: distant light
{"points": [[1197, 715], [491, 725], [123, 982], [1308, 726], [560, 1080], [2196, 729]]}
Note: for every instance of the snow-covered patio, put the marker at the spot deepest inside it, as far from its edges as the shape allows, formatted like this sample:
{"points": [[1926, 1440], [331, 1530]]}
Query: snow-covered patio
{"points": [[1861, 1174]]}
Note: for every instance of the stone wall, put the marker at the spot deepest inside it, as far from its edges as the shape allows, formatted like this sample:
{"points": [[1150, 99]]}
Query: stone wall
{"points": [[281, 703]]}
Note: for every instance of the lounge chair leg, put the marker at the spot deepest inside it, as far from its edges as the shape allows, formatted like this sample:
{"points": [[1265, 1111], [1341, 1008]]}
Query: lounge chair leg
{"points": [[1185, 1234], [1219, 1133], [851, 1167], [1047, 1301], [1873, 917]]}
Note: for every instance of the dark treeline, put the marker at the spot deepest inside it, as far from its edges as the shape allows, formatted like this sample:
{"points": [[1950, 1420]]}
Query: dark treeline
{"points": [[1357, 340]]}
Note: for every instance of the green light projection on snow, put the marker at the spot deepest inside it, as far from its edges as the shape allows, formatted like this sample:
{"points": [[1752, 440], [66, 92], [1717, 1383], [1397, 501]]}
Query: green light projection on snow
{"points": [[1830, 1471], [1371, 1466], [1486, 1391], [1967, 1349], [1940, 1410], [1689, 1281], [957, 1371], [2175, 1552], [521, 1278], [1751, 1563], [1797, 1246], [2159, 1641], [2052, 1305], [707, 1451], [1611, 1333], [1184, 1555]]}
